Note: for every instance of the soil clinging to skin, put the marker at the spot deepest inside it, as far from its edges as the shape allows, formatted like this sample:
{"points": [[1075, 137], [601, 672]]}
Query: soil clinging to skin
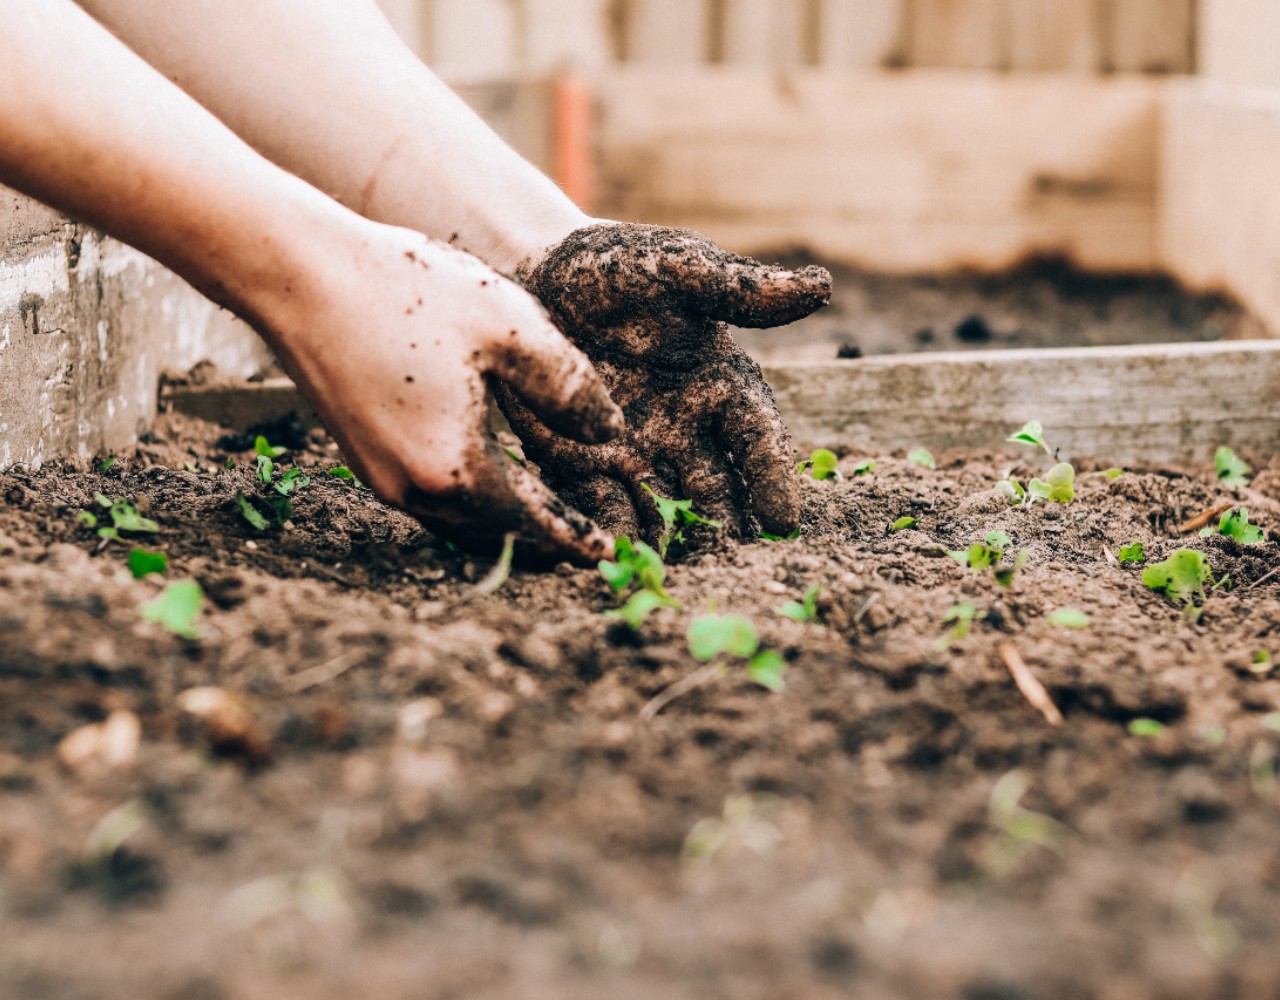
{"points": [[417, 790]]}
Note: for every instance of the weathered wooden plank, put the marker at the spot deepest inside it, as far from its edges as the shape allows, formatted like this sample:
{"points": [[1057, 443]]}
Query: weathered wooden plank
{"points": [[1150, 36], [1062, 35], [861, 34], [667, 32], [1124, 405], [915, 171], [958, 34], [1219, 205]]}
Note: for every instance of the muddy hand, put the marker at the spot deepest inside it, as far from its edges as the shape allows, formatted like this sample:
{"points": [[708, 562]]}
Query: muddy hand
{"points": [[649, 306], [396, 350]]}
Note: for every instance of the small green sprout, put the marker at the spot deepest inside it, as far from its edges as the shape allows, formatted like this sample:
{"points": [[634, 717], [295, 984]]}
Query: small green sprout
{"points": [[263, 448], [124, 517], [293, 479], [143, 562], [266, 469], [250, 513], [106, 465], [342, 472], [1134, 552], [639, 606], [902, 524], [230, 463], [677, 517], [1019, 828], [1232, 470], [1032, 433], [780, 538], [1058, 485], [865, 466], [981, 556], [922, 458], [1113, 473], [820, 465], [497, 576], [177, 608], [637, 564], [88, 519], [1068, 618], [1235, 524], [1181, 577], [805, 610], [711, 636], [1145, 727], [1261, 662], [281, 509], [1013, 491], [962, 615]]}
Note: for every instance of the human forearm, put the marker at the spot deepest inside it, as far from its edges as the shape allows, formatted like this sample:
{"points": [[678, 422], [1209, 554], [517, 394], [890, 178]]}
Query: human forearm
{"points": [[325, 89]]}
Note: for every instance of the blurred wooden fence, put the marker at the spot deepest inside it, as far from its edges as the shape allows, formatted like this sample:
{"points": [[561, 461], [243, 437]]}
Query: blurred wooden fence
{"points": [[487, 39]]}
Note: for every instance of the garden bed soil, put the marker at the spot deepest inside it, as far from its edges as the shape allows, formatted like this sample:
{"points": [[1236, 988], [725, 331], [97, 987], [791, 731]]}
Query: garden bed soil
{"points": [[409, 789], [1046, 302]]}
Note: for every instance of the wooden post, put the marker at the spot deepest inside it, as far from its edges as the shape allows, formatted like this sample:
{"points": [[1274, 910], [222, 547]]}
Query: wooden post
{"points": [[1151, 36], [959, 34], [1055, 35]]}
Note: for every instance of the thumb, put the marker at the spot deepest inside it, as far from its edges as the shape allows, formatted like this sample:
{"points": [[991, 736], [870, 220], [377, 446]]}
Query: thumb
{"points": [[557, 382]]}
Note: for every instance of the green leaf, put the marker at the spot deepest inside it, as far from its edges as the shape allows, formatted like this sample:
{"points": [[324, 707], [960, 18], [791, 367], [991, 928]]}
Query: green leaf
{"points": [[1145, 727], [998, 541], [103, 501], [1181, 577], [281, 509], [712, 635], [88, 519], [862, 468], [1004, 575], [263, 448], [962, 615], [125, 517], [266, 468], [250, 513], [1032, 433], [106, 465], [177, 608], [1068, 618], [767, 668], [638, 608], [1232, 470], [922, 458], [1135, 552], [676, 516], [342, 472], [902, 524], [780, 538], [142, 562], [230, 463], [1012, 491], [1235, 524], [617, 575], [820, 465], [1113, 473], [293, 479], [1058, 485], [804, 610], [110, 534]]}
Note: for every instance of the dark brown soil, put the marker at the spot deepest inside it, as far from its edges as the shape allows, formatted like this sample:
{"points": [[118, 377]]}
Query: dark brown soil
{"points": [[1045, 303], [418, 791]]}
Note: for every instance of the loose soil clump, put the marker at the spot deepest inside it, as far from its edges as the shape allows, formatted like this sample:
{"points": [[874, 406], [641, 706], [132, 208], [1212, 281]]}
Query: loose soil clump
{"points": [[393, 785]]}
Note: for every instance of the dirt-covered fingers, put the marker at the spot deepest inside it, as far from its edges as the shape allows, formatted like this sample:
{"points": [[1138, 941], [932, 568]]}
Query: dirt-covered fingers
{"points": [[760, 444], [746, 293], [715, 489], [556, 380], [500, 497], [608, 501]]}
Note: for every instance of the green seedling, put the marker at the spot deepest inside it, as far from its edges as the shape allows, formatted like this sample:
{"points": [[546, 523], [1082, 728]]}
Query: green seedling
{"points": [[88, 519], [263, 448], [230, 463], [1013, 491], [1145, 727], [1032, 433], [639, 607], [820, 465], [142, 562], [177, 608], [1135, 552], [902, 524], [804, 610], [637, 564], [250, 513], [962, 616], [1181, 577], [1113, 473], [342, 472], [266, 468], [922, 458], [862, 468], [780, 538], [733, 636], [1235, 524], [124, 517], [981, 556], [678, 516], [1261, 662], [1058, 485], [497, 576], [1068, 618], [1232, 470], [291, 480], [1018, 829], [281, 509], [106, 465]]}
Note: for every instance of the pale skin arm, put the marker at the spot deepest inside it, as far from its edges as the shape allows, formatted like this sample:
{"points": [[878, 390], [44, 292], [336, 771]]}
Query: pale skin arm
{"points": [[327, 90], [391, 336]]}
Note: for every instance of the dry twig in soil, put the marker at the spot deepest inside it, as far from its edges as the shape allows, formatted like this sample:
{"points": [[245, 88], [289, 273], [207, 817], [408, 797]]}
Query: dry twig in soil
{"points": [[1027, 683]]}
